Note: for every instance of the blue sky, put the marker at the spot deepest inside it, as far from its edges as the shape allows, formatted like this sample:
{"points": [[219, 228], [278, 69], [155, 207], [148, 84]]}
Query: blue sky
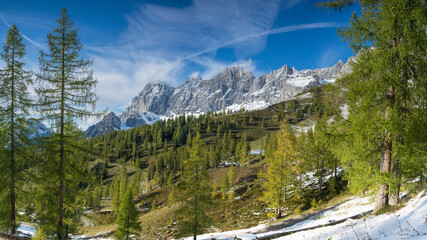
{"points": [[136, 42]]}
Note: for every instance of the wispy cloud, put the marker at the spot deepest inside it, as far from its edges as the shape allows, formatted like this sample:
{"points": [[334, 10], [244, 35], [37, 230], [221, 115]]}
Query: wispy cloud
{"points": [[269, 32], [38, 45], [166, 44], [158, 40]]}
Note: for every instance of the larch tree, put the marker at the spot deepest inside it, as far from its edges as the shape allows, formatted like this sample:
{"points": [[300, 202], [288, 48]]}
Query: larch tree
{"points": [[46, 175], [115, 195], [66, 91], [384, 87], [278, 173], [14, 109]]}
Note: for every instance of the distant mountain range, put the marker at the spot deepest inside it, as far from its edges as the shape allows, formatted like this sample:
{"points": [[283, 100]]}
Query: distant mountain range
{"points": [[234, 88]]}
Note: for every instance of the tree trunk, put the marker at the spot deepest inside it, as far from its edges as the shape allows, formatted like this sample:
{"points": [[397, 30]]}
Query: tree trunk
{"points": [[278, 213], [386, 157], [12, 147], [195, 210], [382, 196], [61, 145], [394, 198], [321, 171]]}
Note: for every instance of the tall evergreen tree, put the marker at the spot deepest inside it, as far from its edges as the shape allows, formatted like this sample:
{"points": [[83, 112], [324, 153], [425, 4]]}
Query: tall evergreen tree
{"points": [[115, 192], [66, 89], [14, 106], [390, 38], [128, 226], [194, 190], [46, 177]]}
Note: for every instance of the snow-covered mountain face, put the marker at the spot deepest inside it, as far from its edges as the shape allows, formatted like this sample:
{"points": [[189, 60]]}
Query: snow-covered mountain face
{"points": [[234, 88]]}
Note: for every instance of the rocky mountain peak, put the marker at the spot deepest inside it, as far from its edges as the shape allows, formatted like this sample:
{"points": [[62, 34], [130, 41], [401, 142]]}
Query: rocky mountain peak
{"points": [[330, 72], [108, 124], [287, 70], [233, 88]]}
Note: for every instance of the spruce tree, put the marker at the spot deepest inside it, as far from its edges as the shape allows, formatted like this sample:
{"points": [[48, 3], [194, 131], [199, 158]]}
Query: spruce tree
{"points": [[66, 90], [14, 106], [128, 226], [390, 39]]}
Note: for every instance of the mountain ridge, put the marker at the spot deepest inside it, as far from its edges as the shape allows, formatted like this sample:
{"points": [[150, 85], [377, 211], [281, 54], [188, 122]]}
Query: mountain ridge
{"points": [[233, 88]]}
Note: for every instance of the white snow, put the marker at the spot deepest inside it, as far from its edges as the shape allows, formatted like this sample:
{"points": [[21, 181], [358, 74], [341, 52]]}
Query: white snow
{"points": [[150, 117], [256, 152], [249, 106], [344, 111], [327, 81], [409, 223], [300, 81], [25, 229]]}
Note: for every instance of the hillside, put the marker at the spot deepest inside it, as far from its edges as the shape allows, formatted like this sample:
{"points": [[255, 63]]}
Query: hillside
{"points": [[244, 201]]}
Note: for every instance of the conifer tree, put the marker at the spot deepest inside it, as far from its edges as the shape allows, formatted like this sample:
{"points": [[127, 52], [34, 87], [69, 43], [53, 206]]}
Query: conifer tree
{"points": [[231, 174], [46, 176], [194, 190], [278, 173], [14, 106], [66, 90], [123, 182], [225, 185], [128, 226], [263, 126], [390, 38], [134, 150], [115, 192]]}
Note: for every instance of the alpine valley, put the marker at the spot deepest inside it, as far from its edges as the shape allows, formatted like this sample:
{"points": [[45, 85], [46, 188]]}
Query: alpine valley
{"points": [[232, 89]]}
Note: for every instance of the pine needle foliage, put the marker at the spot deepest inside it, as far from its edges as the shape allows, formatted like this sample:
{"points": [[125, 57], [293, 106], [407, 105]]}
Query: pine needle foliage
{"points": [[128, 226], [193, 192], [75, 173], [278, 173], [14, 109], [66, 91], [386, 94]]}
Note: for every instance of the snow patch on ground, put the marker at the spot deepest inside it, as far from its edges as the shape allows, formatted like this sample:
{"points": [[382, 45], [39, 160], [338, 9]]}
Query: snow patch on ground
{"points": [[256, 152], [407, 223], [29, 230], [344, 111]]}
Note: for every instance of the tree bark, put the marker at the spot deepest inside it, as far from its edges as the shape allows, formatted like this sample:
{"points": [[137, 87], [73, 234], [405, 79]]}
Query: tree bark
{"points": [[394, 198], [195, 210], [12, 147], [61, 143], [386, 157], [383, 193]]}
